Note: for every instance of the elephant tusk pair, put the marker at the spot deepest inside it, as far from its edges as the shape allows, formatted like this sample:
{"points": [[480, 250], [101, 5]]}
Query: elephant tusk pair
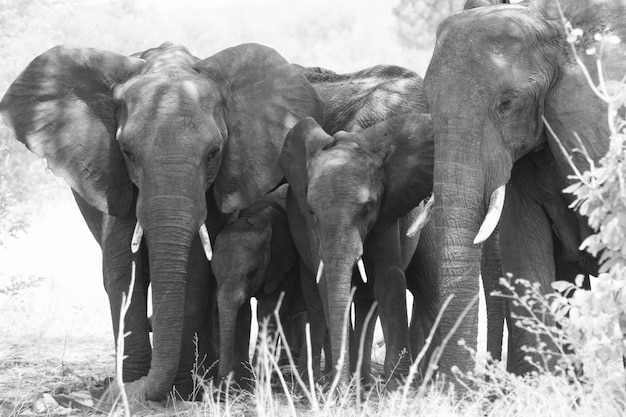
{"points": [[204, 238], [359, 264], [422, 218], [496, 203]]}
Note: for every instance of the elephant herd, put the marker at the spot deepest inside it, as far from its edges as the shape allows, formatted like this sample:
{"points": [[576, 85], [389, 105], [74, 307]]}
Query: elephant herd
{"points": [[242, 175]]}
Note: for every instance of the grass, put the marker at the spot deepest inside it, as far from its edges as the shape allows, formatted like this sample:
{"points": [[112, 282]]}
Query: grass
{"points": [[56, 338]]}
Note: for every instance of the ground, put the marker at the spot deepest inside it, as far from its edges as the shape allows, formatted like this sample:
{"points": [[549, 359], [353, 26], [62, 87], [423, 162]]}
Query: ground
{"points": [[55, 333]]}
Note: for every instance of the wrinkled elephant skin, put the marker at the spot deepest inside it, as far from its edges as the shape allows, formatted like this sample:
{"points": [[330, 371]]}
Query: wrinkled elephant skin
{"points": [[496, 73], [148, 140], [351, 190]]}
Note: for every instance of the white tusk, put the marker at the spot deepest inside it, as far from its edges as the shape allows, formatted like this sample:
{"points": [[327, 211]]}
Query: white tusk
{"points": [[206, 242], [496, 203], [359, 263], [422, 218], [136, 240], [320, 271]]}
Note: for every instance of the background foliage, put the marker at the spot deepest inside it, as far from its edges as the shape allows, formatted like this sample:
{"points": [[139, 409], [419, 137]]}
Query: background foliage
{"points": [[418, 20]]}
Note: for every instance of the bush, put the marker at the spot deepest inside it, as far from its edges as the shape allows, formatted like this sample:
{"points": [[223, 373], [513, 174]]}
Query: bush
{"points": [[596, 320]]}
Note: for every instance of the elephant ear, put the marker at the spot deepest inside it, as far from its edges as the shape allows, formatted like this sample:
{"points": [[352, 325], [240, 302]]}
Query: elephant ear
{"points": [[265, 97], [406, 143], [62, 108], [306, 137], [572, 108], [283, 255]]}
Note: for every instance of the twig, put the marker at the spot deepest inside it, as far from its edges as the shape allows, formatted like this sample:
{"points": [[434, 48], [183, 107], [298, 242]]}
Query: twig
{"points": [[341, 359], [359, 361], [292, 363], [120, 340], [568, 157], [420, 356], [309, 366], [432, 364]]}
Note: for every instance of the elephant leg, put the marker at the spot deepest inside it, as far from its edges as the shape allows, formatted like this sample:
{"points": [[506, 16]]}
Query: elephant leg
{"points": [[384, 253], [527, 252], [361, 309], [242, 367], [266, 305], [421, 278], [390, 291], [316, 319], [491, 271], [197, 349], [294, 322], [417, 337], [116, 267]]}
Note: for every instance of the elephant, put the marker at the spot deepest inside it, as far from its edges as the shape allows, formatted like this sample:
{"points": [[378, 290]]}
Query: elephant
{"points": [[254, 257], [535, 177], [363, 98], [349, 199], [352, 102], [155, 144], [501, 84]]}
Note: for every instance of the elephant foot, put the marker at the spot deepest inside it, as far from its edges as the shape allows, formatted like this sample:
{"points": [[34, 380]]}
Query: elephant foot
{"points": [[135, 394]]}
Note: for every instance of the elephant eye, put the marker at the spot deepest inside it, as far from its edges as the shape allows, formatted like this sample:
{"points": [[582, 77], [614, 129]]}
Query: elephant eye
{"points": [[129, 155], [367, 207], [505, 104], [213, 153]]}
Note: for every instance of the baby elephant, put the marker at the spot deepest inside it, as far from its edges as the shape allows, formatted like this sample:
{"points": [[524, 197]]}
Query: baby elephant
{"points": [[254, 257]]}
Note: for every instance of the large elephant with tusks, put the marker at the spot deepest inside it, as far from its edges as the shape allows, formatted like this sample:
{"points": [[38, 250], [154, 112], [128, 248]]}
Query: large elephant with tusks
{"points": [[151, 144]]}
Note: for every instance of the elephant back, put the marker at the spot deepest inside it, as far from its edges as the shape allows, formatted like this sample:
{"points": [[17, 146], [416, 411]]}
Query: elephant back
{"points": [[361, 99]]}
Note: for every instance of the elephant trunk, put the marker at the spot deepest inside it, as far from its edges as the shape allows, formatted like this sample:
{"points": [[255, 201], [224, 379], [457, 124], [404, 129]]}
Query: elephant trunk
{"points": [[339, 259], [228, 304], [462, 188], [170, 222]]}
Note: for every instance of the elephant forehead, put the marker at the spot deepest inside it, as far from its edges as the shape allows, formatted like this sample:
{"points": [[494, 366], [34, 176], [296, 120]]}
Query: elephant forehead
{"points": [[241, 237], [482, 29], [153, 88], [168, 59]]}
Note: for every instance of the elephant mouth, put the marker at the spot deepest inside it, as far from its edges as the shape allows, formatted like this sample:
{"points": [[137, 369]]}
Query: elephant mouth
{"points": [[360, 266], [204, 238]]}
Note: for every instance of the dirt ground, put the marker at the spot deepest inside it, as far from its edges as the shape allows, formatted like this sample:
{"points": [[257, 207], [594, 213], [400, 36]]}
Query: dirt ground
{"points": [[55, 327]]}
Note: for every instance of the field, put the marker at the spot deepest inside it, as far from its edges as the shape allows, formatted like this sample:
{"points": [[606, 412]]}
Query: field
{"points": [[55, 331]]}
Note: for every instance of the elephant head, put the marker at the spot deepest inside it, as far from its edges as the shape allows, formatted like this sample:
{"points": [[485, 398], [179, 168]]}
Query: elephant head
{"points": [[254, 253], [350, 184], [151, 135], [496, 74]]}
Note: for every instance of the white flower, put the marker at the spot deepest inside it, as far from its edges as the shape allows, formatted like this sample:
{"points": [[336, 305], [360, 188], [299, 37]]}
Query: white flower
{"points": [[574, 35]]}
